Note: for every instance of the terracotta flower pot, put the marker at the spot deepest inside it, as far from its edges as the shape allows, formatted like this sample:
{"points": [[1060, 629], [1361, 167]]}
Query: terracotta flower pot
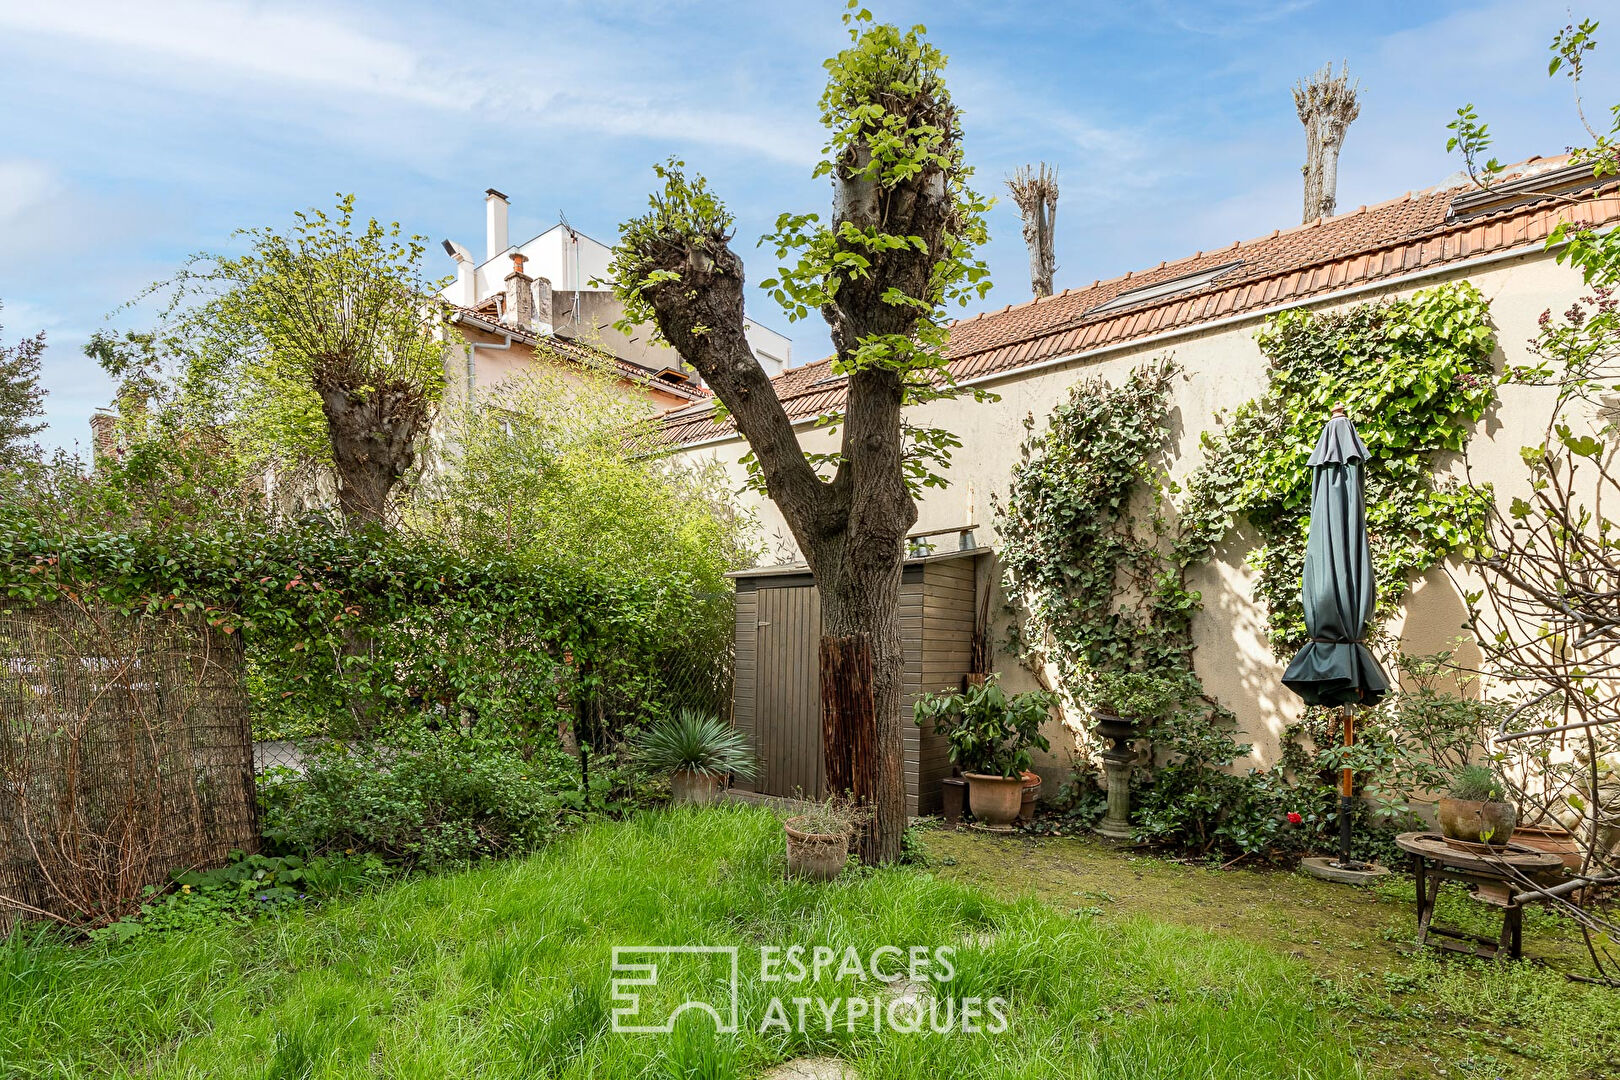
{"points": [[994, 800], [696, 789], [1553, 838], [1475, 822], [1031, 792], [814, 856]]}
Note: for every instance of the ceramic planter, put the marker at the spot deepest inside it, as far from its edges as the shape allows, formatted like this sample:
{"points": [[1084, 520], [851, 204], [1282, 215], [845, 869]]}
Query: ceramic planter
{"points": [[814, 856], [994, 800], [696, 789], [1473, 822], [1552, 838], [1031, 792]]}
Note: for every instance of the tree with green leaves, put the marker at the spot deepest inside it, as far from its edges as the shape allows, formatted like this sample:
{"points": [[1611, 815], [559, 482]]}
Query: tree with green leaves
{"points": [[543, 468], [899, 247], [317, 345], [1594, 252], [21, 399]]}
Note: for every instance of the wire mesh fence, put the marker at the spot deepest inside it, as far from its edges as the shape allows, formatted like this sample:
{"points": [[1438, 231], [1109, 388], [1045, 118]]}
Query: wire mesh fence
{"points": [[698, 679], [125, 754]]}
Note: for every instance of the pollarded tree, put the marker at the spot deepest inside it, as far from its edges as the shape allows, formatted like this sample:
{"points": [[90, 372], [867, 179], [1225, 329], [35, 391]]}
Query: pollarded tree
{"points": [[317, 345], [898, 249]]}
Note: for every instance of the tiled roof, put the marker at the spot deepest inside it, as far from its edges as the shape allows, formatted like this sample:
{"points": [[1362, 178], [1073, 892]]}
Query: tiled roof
{"points": [[1412, 233], [570, 351]]}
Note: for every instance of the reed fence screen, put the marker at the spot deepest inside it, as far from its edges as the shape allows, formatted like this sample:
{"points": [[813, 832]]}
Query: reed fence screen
{"points": [[126, 754]]}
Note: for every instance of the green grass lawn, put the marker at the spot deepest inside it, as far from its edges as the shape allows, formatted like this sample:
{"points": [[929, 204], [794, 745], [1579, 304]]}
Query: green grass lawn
{"points": [[505, 970]]}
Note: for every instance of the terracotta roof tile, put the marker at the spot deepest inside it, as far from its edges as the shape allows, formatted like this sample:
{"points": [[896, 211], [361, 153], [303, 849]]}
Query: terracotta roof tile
{"points": [[1403, 235]]}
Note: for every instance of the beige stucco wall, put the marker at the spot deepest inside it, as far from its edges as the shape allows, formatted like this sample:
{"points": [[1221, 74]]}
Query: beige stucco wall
{"points": [[494, 365], [1223, 368]]}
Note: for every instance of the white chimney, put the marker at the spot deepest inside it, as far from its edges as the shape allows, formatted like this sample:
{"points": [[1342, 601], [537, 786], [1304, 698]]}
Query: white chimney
{"points": [[495, 239]]}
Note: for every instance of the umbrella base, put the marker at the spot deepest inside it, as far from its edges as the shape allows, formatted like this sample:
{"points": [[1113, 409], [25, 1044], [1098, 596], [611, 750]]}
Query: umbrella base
{"points": [[1329, 869]]}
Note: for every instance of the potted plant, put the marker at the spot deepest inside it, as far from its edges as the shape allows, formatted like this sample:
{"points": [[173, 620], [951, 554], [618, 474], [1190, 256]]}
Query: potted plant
{"points": [[1475, 809], [698, 751], [989, 734], [818, 838]]}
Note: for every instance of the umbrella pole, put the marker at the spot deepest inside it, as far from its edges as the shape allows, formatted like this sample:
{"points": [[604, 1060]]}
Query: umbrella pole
{"points": [[1346, 788]]}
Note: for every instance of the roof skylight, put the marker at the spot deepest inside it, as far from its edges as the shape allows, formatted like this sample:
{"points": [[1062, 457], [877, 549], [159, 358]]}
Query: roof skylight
{"points": [[1162, 289]]}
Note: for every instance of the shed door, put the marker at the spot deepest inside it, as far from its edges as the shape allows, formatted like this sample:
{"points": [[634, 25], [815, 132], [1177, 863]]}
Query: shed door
{"points": [[787, 717]]}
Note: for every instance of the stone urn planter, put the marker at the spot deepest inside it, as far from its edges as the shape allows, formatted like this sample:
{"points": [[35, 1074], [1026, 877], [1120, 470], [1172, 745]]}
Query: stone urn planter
{"points": [[1476, 821], [994, 800], [814, 856], [1031, 792], [694, 788], [1117, 735]]}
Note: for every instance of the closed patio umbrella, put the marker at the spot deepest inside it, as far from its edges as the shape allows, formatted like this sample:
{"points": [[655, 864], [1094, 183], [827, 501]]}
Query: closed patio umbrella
{"points": [[1334, 667]]}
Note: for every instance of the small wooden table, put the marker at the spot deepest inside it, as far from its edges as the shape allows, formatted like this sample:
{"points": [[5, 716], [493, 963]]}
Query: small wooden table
{"points": [[1490, 876]]}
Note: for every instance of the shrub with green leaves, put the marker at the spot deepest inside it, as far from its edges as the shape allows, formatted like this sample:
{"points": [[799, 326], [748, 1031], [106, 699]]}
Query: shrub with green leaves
{"points": [[246, 887], [424, 798]]}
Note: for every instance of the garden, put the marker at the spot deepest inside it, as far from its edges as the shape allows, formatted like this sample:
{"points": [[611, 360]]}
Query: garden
{"points": [[353, 723]]}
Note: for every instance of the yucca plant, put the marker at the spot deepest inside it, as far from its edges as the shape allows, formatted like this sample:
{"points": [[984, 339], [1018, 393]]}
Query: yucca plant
{"points": [[695, 742]]}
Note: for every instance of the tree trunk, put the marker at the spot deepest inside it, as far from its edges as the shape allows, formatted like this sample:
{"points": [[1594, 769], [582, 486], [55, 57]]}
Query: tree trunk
{"points": [[849, 721], [868, 610], [1312, 171], [373, 445], [1328, 184], [857, 574]]}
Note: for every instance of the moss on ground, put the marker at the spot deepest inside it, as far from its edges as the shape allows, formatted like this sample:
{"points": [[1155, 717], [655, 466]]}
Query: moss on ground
{"points": [[1413, 1015]]}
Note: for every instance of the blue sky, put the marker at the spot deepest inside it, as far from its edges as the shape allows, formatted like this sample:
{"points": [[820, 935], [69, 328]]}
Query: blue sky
{"points": [[134, 134]]}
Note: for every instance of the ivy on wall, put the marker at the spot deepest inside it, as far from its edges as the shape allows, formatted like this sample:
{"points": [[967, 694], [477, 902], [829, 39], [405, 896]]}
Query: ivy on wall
{"points": [[1092, 553], [1097, 556], [1415, 376]]}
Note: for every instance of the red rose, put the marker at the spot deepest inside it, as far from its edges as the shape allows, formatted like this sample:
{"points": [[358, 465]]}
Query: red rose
{"points": [[1295, 819]]}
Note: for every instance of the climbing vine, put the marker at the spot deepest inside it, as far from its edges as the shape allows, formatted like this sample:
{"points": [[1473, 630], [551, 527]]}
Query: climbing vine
{"points": [[1415, 375], [1092, 558]]}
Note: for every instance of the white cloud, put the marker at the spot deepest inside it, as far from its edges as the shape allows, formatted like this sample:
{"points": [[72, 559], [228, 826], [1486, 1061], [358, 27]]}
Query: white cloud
{"points": [[233, 49], [281, 43], [1224, 18]]}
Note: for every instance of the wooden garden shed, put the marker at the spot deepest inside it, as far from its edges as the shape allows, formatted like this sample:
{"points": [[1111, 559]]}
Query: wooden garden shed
{"points": [[777, 689]]}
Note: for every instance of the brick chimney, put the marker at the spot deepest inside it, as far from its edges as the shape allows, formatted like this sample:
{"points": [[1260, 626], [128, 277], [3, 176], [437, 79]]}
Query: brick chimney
{"points": [[519, 309], [104, 435]]}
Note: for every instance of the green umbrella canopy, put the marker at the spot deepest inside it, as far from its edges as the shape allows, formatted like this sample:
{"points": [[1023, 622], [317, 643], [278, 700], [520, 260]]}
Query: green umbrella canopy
{"points": [[1334, 667]]}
